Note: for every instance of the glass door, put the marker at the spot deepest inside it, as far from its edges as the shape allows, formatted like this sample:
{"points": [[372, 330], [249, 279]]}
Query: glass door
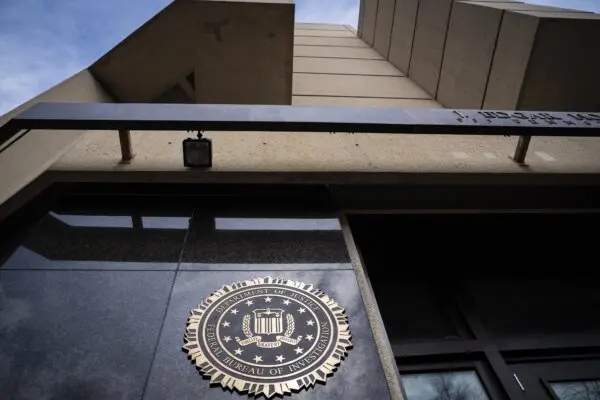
{"points": [[560, 380]]}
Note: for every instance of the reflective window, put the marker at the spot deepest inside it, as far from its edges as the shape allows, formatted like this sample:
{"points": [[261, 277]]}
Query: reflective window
{"points": [[580, 390], [264, 241], [132, 239], [277, 224], [460, 385], [100, 240], [94, 221]]}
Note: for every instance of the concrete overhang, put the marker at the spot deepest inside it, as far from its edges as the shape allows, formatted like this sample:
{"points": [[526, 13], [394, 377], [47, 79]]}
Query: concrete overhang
{"points": [[206, 51]]}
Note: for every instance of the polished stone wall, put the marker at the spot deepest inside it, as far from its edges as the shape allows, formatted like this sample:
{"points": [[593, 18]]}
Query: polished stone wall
{"points": [[93, 303]]}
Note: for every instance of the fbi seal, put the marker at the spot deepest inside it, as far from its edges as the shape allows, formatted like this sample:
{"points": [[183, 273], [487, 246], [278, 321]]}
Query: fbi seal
{"points": [[267, 336]]}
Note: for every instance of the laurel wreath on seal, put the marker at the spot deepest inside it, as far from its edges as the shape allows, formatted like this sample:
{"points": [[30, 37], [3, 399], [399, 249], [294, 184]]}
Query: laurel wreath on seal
{"points": [[246, 326], [290, 325], [248, 385]]}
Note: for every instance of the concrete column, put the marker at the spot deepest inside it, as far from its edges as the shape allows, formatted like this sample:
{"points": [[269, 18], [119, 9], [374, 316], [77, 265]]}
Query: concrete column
{"points": [[383, 29], [470, 49], [361, 15], [546, 60], [428, 44], [403, 30], [468, 55], [369, 21], [433, 17]]}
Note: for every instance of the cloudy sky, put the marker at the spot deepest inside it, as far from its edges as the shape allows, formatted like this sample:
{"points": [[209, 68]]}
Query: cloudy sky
{"points": [[42, 42]]}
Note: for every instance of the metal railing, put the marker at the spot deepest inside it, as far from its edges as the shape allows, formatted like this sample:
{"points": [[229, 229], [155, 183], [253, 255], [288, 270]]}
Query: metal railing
{"points": [[201, 117]]}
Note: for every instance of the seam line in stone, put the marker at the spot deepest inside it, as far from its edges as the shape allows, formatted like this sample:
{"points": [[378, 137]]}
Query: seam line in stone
{"points": [[487, 80]]}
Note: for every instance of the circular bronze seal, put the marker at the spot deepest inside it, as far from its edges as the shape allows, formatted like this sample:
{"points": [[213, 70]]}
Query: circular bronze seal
{"points": [[267, 336]]}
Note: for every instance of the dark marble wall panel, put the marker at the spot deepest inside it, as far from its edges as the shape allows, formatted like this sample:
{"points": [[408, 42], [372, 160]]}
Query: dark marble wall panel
{"points": [[174, 377], [264, 242], [263, 267], [102, 241], [83, 299], [79, 335]]}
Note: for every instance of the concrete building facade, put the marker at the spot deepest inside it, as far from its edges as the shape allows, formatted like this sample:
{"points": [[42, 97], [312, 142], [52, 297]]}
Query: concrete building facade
{"points": [[442, 244]]}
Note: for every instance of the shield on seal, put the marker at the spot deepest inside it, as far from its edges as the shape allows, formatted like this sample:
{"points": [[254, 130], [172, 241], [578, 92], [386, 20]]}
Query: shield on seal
{"points": [[268, 321]]}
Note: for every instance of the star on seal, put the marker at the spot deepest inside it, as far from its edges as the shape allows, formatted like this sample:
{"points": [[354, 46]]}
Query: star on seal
{"points": [[288, 350]]}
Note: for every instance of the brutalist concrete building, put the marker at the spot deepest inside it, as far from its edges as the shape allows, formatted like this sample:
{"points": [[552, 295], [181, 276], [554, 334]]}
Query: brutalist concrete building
{"points": [[232, 204]]}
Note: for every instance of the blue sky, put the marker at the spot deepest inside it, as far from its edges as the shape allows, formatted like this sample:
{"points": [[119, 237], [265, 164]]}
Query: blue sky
{"points": [[42, 42]]}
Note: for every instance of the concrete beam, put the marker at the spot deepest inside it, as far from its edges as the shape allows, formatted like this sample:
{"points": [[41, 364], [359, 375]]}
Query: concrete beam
{"points": [[366, 53], [247, 157], [308, 25], [362, 102], [328, 41], [344, 67], [357, 86], [324, 33]]}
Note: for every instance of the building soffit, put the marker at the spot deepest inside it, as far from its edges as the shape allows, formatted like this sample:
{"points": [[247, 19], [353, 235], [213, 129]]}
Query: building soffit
{"points": [[227, 47]]}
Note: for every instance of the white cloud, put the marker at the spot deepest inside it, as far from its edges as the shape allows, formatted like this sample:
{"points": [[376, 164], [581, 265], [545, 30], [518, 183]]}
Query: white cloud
{"points": [[343, 12], [44, 42], [30, 67], [584, 5], [33, 57]]}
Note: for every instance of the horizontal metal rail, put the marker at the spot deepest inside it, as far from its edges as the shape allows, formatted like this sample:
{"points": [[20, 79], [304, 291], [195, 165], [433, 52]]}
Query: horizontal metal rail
{"points": [[127, 117]]}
